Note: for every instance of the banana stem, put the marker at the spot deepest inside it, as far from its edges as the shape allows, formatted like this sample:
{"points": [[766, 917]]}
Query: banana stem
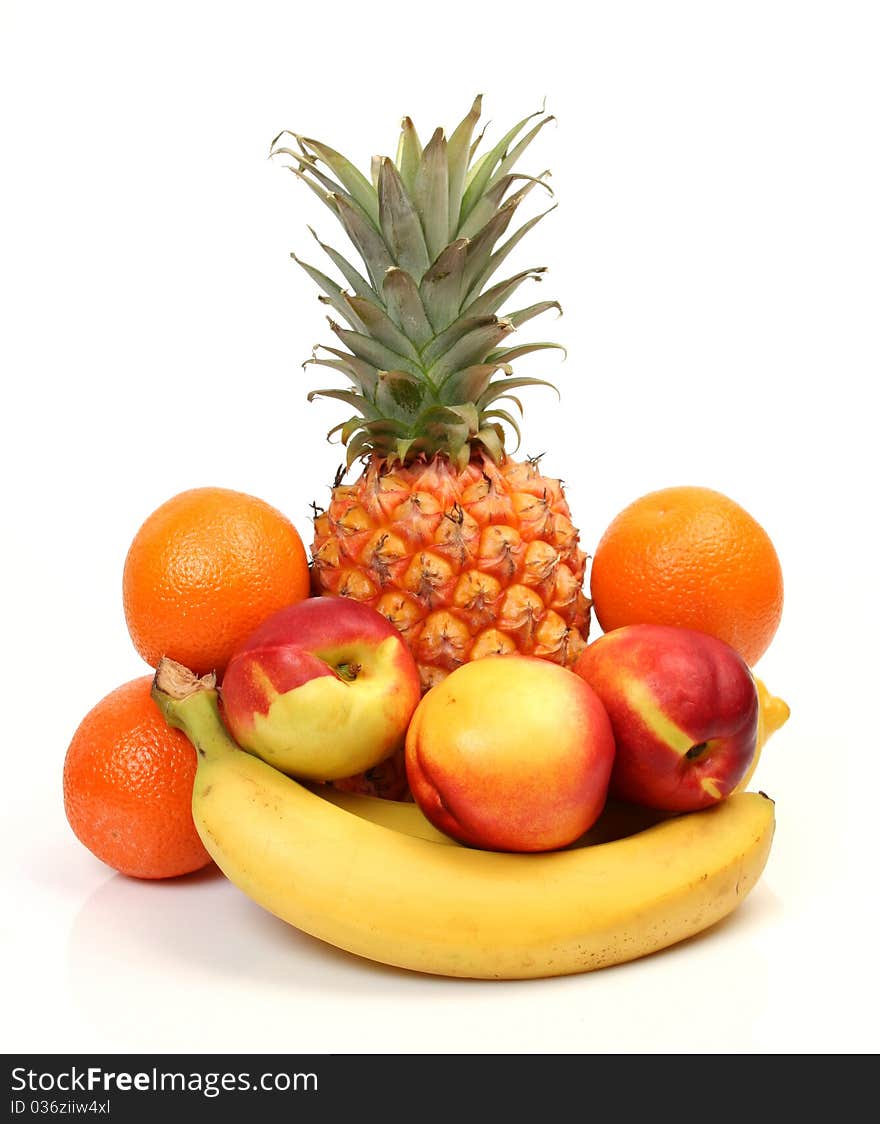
{"points": [[190, 704]]}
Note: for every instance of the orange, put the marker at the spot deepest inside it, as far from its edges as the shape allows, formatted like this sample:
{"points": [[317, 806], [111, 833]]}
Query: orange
{"points": [[691, 557], [128, 781], [204, 570]]}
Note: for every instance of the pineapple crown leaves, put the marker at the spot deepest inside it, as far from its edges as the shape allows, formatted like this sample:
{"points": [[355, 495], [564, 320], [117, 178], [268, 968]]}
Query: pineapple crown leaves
{"points": [[424, 344]]}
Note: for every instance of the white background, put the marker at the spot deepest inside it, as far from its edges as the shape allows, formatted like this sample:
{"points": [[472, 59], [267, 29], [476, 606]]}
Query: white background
{"points": [[716, 252]]}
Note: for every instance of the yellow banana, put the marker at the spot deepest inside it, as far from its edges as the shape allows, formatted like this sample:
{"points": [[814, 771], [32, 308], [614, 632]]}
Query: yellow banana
{"points": [[617, 820], [398, 815], [773, 712], [452, 910]]}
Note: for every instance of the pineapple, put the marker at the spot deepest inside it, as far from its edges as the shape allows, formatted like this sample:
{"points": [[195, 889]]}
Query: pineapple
{"points": [[468, 551]]}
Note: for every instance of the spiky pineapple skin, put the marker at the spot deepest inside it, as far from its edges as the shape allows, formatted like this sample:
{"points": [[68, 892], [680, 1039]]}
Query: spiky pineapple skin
{"points": [[465, 563]]}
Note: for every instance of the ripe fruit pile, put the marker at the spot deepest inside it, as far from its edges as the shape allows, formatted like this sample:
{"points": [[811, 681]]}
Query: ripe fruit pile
{"points": [[547, 803]]}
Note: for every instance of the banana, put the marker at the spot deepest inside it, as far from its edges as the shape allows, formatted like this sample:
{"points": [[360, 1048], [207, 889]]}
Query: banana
{"points": [[398, 815], [449, 910], [618, 819], [773, 712]]}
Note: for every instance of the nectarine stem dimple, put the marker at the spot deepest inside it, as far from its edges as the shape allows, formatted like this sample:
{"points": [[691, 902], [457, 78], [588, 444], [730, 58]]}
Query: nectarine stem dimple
{"points": [[697, 751]]}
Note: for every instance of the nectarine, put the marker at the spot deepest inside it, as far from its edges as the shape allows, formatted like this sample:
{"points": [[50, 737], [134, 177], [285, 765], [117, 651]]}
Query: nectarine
{"points": [[322, 689], [510, 753], [684, 709]]}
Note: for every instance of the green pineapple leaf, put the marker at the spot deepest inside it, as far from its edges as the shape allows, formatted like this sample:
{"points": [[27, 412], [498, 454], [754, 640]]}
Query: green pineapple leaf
{"points": [[405, 306], [400, 223], [431, 193], [441, 287], [458, 157], [409, 153]]}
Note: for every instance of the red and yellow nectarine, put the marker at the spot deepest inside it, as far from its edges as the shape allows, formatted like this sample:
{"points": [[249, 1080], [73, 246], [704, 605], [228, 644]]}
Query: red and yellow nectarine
{"points": [[684, 709], [510, 753], [322, 689]]}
